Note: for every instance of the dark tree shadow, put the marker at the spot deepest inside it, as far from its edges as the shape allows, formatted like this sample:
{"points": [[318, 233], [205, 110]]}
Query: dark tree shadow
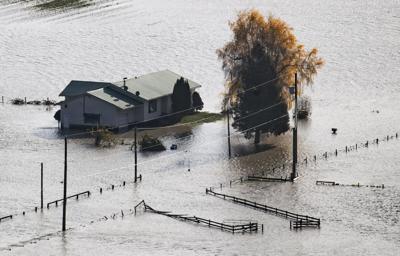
{"points": [[250, 149]]}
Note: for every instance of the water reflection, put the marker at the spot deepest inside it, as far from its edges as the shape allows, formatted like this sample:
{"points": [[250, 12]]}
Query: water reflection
{"points": [[249, 149], [51, 5], [63, 4]]}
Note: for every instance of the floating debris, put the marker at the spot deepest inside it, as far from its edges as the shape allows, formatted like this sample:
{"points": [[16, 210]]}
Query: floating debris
{"points": [[17, 101]]}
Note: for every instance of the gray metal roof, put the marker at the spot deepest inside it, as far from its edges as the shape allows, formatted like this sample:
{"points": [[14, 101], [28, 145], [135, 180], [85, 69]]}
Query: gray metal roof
{"points": [[75, 88], [150, 86], [154, 85], [115, 98]]}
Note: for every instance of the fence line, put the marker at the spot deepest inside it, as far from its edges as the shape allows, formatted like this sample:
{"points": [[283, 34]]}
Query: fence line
{"points": [[243, 228], [305, 219], [69, 197], [333, 183]]}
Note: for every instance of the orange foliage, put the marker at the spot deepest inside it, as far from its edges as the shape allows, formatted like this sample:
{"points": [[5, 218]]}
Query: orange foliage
{"points": [[284, 53]]}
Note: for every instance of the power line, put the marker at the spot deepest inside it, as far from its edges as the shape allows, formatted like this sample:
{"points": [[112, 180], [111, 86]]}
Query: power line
{"points": [[185, 110], [259, 111], [201, 145], [191, 135], [269, 82], [244, 117], [185, 124]]}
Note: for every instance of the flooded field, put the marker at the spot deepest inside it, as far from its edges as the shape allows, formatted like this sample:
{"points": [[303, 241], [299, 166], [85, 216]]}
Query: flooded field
{"points": [[357, 91]]}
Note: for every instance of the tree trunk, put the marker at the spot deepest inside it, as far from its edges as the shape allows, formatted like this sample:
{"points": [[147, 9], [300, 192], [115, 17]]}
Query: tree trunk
{"points": [[257, 136]]}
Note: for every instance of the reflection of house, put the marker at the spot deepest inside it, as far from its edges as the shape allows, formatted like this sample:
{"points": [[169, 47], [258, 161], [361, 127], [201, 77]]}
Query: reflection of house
{"points": [[121, 103]]}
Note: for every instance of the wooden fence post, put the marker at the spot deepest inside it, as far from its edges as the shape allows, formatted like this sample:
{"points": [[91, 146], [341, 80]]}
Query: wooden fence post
{"points": [[41, 185]]}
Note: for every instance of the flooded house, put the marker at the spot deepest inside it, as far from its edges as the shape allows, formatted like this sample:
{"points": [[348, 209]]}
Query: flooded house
{"points": [[119, 104]]}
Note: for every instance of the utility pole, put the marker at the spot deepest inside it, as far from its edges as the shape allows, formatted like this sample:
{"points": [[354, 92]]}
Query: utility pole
{"points": [[293, 175], [41, 185], [228, 123], [229, 132], [65, 185], [135, 154]]}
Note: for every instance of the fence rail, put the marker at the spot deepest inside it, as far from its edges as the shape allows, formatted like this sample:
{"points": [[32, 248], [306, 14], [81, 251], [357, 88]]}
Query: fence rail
{"points": [[69, 197], [6, 217], [259, 178], [243, 228], [278, 212], [333, 183], [322, 182], [296, 224]]}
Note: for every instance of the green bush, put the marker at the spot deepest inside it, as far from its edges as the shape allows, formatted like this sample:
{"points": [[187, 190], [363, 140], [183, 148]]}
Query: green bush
{"points": [[149, 143]]}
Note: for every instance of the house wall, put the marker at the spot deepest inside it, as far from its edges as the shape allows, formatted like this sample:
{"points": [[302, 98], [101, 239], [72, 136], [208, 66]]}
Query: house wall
{"points": [[133, 115], [166, 104], [155, 114], [191, 96], [109, 115], [73, 109]]}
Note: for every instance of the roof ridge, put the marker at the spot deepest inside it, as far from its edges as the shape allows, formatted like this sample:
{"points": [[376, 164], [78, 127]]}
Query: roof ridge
{"points": [[147, 74]]}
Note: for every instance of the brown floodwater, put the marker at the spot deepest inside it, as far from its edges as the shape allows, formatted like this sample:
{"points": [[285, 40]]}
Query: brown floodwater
{"points": [[357, 92]]}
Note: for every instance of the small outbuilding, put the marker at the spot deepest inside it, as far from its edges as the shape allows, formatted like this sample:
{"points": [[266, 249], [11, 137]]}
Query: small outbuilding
{"points": [[119, 104]]}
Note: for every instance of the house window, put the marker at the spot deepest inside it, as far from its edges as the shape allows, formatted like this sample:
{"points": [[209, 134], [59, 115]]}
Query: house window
{"points": [[91, 118], [152, 106]]}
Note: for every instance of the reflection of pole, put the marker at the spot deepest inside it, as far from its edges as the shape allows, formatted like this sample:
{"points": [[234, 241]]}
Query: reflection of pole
{"points": [[41, 185], [229, 133], [293, 176], [65, 184], [135, 155]]}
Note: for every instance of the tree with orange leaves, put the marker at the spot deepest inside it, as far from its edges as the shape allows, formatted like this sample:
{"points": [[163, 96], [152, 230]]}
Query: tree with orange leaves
{"points": [[260, 63]]}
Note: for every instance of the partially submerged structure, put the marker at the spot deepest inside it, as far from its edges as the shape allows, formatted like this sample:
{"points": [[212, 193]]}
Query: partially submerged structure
{"points": [[119, 104]]}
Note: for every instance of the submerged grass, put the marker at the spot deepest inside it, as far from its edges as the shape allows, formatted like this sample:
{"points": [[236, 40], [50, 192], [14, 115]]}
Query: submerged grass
{"points": [[201, 117]]}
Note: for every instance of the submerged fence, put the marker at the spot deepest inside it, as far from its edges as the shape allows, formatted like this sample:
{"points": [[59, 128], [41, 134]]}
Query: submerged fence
{"points": [[298, 220], [6, 217], [358, 185], [240, 228], [335, 153], [69, 197]]}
